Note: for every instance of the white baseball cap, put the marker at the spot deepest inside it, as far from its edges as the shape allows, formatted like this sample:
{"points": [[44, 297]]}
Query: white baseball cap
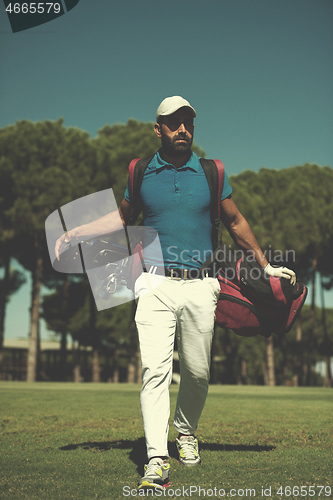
{"points": [[171, 104]]}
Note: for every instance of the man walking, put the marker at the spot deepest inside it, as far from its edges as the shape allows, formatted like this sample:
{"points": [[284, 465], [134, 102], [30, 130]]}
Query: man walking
{"points": [[176, 202]]}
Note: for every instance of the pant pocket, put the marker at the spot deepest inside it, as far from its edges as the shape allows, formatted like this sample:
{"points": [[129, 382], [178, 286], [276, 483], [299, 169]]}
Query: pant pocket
{"points": [[214, 286]]}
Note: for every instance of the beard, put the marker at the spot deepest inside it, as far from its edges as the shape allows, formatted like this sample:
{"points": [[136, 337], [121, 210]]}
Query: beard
{"points": [[174, 149]]}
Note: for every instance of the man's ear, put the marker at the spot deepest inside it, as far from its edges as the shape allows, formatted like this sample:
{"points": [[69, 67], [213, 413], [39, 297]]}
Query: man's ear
{"points": [[157, 130]]}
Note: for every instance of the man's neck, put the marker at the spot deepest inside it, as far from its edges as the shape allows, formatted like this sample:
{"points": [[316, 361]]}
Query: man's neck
{"points": [[177, 161]]}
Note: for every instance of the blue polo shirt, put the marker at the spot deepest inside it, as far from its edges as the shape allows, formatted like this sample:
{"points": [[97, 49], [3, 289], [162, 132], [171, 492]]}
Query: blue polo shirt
{"points": [[176, 203]]}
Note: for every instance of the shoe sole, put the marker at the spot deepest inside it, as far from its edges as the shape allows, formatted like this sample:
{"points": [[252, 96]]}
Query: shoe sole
{"points": [[147, 484], [190, 465]]}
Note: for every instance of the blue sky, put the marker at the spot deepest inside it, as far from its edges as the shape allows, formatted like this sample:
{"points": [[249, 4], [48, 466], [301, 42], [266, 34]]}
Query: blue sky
{"points": [[258, 72]]}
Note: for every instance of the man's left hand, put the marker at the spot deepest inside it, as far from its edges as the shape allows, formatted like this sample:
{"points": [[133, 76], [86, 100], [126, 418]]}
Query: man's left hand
{"points": [[281, 272]]}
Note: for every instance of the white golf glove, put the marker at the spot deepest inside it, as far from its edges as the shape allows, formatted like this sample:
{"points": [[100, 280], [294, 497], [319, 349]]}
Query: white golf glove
{"points": [[281, 272]]}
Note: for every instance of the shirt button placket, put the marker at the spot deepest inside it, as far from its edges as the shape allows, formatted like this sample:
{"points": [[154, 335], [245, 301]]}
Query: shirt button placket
{"points": [[177, 185]]}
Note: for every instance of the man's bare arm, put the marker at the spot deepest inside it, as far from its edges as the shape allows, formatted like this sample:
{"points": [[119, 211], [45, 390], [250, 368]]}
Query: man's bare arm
{"points": [[240, 230], [243, 236], [109, 223]]}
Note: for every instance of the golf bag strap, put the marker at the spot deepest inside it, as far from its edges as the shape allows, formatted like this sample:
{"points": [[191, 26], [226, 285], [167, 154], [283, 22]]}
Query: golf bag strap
{"points": [[214, 171], [220, 170], [136, 170]]}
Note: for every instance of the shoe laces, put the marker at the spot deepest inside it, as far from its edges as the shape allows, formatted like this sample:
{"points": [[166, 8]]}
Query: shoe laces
{"points": [[154, 465], [188, 445]]}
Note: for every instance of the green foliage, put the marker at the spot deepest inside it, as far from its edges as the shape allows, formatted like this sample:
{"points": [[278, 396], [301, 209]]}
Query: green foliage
{"points": [[57, 314], [116, 146], [231, 351], [289, 209], [43, 166], [112, 326], [288, 347], [16, 280]]}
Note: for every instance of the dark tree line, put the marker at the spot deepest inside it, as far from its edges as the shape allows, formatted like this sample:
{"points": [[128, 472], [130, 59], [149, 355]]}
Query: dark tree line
{"points": [[45, 165]]}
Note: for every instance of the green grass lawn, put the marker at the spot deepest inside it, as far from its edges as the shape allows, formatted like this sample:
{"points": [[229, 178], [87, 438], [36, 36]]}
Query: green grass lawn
{"points": [[85, 442]]}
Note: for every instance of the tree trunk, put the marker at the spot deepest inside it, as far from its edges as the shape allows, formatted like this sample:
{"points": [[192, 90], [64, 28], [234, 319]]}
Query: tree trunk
{"points": [[63, 345], [327, 343], [96, 368], [270, 362], [39, 360], [76, 362], [3, 299], [297, 376], [37, 275], [115, 378], [77, 373], [312, 318], [230, 359], [264, 371], [243, 373], [131, 370]]}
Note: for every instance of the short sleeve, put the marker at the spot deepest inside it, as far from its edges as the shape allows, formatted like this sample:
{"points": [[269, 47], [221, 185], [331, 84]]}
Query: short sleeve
{"points": [[227, 189], [127, 192]]}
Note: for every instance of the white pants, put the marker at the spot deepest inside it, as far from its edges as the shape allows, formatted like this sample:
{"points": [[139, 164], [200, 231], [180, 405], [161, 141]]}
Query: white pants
{"points": [[184, 307]]}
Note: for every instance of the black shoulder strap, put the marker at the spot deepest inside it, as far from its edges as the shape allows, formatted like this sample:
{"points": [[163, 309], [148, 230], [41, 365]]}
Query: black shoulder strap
{"points": [[136, 172], [214, 172]]}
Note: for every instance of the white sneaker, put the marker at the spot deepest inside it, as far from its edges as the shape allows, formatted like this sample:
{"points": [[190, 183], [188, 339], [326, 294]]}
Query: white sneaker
{"points": [[156, 475], [188, 450]]}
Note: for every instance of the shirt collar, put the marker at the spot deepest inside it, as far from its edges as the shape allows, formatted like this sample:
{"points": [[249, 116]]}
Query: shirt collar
{"points": [[192, 163]]}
